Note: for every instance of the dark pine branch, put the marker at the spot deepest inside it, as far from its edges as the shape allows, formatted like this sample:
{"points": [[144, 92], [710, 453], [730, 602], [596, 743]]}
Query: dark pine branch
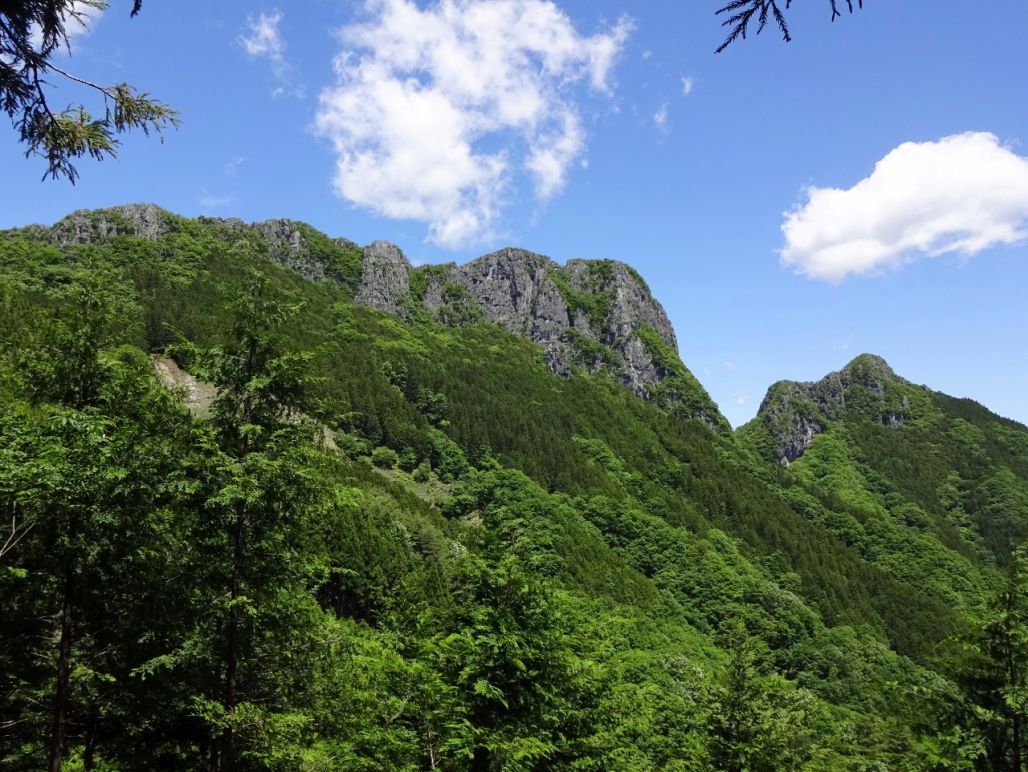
{"points": [[739, 14]]}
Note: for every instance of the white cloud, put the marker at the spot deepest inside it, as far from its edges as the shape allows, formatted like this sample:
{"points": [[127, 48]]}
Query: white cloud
{"points": [[660, 117], [80, 19], [210, 201], [741, 398], [263, 38], [436, 111], [688, 84], [959, 195], [232, 167]]}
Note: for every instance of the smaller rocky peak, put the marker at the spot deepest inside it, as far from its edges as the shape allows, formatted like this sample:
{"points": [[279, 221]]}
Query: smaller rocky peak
{"points": [[281, 233], [85, 226], [288, 247], [869, 370], [794, 413], [385, 278], [508, 262]]}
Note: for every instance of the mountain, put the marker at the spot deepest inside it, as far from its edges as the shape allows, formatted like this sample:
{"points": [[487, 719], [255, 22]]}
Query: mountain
{"points": [[593, 314], [940, 464], [792, 414], [278, 500]]}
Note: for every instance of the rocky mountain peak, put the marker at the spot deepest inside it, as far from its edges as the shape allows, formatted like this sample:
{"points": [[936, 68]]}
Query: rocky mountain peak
{"points": [[85, 226], [385, 277], [869, 370], [793, 413], [596, 315]]}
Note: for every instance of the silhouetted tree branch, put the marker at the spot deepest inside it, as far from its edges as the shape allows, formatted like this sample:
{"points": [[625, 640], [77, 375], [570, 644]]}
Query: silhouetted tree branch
{"points": [[740, 14], [32, 32]]}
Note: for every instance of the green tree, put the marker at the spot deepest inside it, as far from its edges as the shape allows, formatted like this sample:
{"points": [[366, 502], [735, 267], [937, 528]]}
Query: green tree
{"points": [[32, 34], [263, 501], [89, 467], [511, 660], [996, 673], [758, 722]]}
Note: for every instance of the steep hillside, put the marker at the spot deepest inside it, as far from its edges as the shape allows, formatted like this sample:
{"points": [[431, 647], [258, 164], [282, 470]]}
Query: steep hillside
{"points": [[532, 542], [594, 315], [871, 439]]}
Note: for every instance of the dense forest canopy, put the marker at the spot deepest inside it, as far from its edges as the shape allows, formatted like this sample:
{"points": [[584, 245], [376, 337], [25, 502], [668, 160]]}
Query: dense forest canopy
{"points": [[253, 524]]}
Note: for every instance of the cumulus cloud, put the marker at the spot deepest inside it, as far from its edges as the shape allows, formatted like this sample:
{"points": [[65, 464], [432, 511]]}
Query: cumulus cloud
{"points": [[209, 200], [80, 20], [262, 38], [660, 117], [436, 111], [688, 84], [958, 195]]}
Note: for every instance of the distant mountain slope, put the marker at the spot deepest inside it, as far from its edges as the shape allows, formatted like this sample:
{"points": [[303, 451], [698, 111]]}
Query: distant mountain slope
{"points": [[932, 487], [532, 546], [596, 315]]}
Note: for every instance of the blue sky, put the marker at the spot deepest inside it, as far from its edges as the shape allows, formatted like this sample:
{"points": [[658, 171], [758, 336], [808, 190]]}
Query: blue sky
{"points": [[890, 144]]}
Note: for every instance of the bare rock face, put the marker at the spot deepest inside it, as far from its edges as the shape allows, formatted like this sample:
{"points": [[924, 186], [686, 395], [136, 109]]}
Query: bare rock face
{"points": [[629, 307], [288, 247], [506, 285], [795, 413], [85, 226], [631, 303], [514, 289], [586, 314], [597, 315], [385, 278], [197, 395]]}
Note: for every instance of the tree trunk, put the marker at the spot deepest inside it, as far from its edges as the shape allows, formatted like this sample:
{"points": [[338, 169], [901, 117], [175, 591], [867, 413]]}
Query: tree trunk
{"points": [[1017, 742], [90, 749], [232, 654], [63, 672]]}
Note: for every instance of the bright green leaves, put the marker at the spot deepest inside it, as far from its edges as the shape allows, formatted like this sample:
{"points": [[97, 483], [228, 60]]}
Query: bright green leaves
{"points": [[995, 675]]}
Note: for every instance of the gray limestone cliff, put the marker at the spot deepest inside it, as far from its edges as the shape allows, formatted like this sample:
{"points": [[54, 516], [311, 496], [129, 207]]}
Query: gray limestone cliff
{"points": [[385, 278], [593, 315], [86, 226], [792, 414]]}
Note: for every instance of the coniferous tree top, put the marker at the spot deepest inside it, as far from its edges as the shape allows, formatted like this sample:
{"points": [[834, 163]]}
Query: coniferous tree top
{"points": [[32, 35]]}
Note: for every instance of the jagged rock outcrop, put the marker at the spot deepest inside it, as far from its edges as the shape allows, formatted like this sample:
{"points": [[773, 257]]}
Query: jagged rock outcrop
{"points": [[515, 289], [288, 247], [593, 314], [85, 226], [794, 413], [586, 314], [385, 278], [630, 307]]}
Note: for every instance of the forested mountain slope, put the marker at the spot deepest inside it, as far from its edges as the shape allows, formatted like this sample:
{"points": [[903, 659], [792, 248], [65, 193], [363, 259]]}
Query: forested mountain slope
{"points": [[529, 541]]}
